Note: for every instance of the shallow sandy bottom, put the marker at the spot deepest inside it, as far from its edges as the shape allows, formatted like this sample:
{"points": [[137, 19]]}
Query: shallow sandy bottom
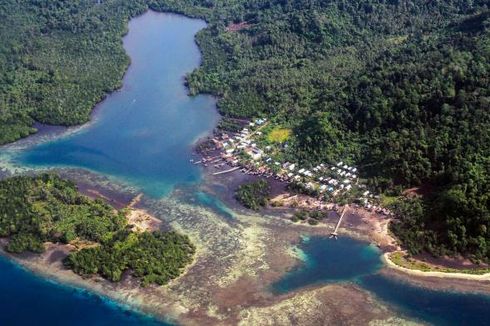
{"points": [[236, 262]]}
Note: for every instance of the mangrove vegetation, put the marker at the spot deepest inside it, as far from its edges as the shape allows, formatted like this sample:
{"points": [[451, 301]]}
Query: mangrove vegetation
{"points": [[254, 195]]}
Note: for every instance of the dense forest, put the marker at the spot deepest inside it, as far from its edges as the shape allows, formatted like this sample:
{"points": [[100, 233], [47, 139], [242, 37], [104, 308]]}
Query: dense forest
{"points": [[398, 87], [35, 210], [254, 195], [156, 257]]}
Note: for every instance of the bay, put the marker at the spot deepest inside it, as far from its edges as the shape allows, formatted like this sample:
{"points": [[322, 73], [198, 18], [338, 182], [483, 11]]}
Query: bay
{"points": [[143, 135]]}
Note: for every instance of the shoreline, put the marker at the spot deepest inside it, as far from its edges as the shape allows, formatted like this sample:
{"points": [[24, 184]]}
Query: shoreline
{"points": [[444, 275], [175, 302], [170, 303], [237, 292], [375, 232], [127, 294], [385, 241], [62, 279]]}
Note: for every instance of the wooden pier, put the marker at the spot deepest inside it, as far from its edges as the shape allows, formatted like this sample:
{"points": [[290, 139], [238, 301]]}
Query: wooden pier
{"points": [[334, 234], [227, 171]]}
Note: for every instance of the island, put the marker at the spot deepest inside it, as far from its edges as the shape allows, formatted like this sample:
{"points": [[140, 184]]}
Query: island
{"points": [[102, 240]]}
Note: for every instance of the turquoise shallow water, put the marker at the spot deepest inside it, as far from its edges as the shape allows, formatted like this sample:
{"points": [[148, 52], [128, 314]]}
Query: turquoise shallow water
{"points": [[214, 203], [143, 135], [326, 260]]}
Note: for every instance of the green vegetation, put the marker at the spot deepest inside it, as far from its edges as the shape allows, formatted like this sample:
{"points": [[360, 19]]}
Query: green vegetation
{"points": [[400, 88], [253, 195], [154, 257], [35, 210], [279, 135], [312, 216], [443, 233], [47, 208], [387, 201], [403, 260]]}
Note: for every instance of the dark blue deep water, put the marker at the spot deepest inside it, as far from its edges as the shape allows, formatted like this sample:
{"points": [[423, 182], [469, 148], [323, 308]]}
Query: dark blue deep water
{"points": [[143, 135], [26, 299], [435, 307]]}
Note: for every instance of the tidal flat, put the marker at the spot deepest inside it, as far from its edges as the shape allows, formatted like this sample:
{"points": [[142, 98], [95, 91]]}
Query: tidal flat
{"points": [[229, 282]]}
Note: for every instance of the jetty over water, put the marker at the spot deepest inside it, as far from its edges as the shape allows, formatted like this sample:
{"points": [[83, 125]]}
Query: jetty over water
{"points": [[227, 171], [334, 234]]}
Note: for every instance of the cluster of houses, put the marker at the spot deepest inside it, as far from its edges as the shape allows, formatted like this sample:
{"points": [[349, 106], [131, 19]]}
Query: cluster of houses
{"points": [[324, 177], [327, 180], [242, 141]]}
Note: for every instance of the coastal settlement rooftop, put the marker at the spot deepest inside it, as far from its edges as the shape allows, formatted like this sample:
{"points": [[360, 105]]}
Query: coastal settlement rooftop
{"points": [[326, 181]]}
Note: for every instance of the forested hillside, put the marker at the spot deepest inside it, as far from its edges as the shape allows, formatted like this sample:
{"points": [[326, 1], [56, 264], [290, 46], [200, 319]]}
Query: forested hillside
{"points": [[401, 88]]}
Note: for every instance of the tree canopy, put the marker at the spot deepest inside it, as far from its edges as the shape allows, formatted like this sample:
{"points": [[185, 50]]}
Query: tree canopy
{"points": [[46, 208]]}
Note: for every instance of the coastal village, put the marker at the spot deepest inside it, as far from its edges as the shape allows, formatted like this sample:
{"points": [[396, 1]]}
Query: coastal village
{"points": [[251, 151]]}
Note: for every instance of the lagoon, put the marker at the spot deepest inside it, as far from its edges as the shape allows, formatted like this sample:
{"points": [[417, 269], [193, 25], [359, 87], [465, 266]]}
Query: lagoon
{"points": [[327, 260]]}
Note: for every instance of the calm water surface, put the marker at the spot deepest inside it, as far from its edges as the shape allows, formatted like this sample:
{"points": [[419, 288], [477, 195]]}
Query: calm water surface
{"points": [[436, 307], [326, 260], [143, 135], [26, 299]]}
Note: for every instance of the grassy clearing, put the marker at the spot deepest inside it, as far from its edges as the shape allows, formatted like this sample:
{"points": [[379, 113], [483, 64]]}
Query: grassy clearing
{"points": [[279, 135], [388, 200], [397, 40]]}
